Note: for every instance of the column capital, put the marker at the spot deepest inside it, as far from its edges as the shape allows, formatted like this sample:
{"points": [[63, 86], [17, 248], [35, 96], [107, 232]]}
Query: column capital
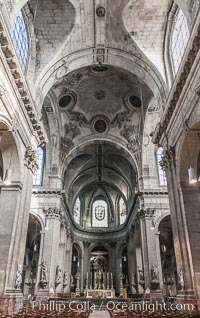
{"points": [[31, 159], [168, 157], [53, 213]]}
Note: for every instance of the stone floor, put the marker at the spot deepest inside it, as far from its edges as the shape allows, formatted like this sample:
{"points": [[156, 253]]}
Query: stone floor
{"points": [[100, 314]]}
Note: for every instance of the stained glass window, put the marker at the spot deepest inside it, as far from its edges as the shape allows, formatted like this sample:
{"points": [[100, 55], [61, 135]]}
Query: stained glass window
{"points": [[77, 211], [100, 213], [179, 40], [161, 172], [37, 179], [20, 40], [122, 211]]}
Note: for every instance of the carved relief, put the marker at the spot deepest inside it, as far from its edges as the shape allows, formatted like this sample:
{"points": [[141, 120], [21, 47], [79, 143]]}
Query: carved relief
{"points": [[18, 280], [10, 4], [167, 158], [121, 118], [54, 213], [31, 159], [128, 132], [71, 131]]}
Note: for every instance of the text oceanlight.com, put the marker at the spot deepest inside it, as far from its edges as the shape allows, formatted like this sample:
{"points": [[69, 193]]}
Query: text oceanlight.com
{"points": [[110, 305]]}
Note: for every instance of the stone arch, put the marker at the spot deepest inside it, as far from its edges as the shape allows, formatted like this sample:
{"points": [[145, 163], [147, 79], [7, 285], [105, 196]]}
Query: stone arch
{"points": [[10, 154], [187, 161], [145, 72]]}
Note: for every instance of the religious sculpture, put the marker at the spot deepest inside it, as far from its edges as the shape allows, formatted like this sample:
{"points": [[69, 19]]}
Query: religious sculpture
{"points": [[65, 279], [99, 276], [43, 275], [154, 274], [181, 280], [72, 281], [58, 277], [18, 281]]}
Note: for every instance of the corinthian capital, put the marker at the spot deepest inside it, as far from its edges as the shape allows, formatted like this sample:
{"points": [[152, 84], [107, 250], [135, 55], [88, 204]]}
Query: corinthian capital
{"points": [[167, 158], [53, 213], [31, 159]]}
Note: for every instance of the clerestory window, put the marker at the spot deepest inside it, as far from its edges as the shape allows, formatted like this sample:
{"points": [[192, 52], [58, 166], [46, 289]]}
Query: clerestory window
{"points": [[77, 211], [100, 213], [20, 40], [179, 39]]}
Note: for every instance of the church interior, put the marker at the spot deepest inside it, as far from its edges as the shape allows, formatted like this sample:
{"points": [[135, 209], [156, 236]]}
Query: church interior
{"points": [[99, 157]]}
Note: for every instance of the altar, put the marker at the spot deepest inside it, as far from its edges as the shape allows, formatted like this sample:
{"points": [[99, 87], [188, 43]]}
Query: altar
{"points": [[99, 293]]}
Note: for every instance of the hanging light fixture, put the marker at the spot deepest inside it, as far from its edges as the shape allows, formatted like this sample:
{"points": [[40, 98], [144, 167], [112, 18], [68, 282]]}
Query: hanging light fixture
{"points": [[152, 225], [8, 174], [192, 175], [8, 177]]}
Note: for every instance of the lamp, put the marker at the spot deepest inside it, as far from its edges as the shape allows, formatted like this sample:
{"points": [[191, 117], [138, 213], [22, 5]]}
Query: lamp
{"points": [[192, 176], [8, 177], [152, 225], [8, 174]]}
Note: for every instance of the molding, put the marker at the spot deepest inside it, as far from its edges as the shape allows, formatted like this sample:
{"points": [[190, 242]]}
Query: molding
{"points": [[20, 83], [178, 86]]}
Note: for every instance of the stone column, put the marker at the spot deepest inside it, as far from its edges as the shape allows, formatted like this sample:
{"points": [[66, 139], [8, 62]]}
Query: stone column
{"points": [[132, 262], [14, 214], [86, 263], [51, 246], [118, 266], [145, 254], [68, 260], [179, 227]]}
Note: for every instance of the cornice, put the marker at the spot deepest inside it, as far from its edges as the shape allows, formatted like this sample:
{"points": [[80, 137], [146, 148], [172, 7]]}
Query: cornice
{"points": [[177, 88], [20, 84]]}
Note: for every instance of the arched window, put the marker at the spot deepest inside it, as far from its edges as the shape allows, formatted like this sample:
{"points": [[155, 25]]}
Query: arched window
{"points": [[20, 40], [77, 211], [38, 177], [179, 39], [122, 211], [161, 172], [100, 213]]}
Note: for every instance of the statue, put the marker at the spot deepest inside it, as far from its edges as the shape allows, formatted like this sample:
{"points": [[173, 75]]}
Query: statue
{"points": [[18, 280], [99, 275], [133, 284], [43, 275], [154, 274], [71, 281], [141, 275], [65, 279], [58, 278], [181, 280]]}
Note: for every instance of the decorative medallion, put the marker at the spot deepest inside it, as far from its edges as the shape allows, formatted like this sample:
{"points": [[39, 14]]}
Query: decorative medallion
{"points": [[100, 213], [133, 101], [67, 100], [99, 95], [100, 11], [100, 126]]}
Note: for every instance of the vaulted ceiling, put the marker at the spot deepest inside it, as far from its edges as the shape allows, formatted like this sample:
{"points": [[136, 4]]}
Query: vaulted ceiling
{"points": [[69, 34]]}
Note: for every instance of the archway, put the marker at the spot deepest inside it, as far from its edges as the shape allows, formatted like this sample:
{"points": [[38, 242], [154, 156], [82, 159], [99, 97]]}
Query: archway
{"points": [[168, 260], [99, 268], [32, 253], [189, 168]]}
